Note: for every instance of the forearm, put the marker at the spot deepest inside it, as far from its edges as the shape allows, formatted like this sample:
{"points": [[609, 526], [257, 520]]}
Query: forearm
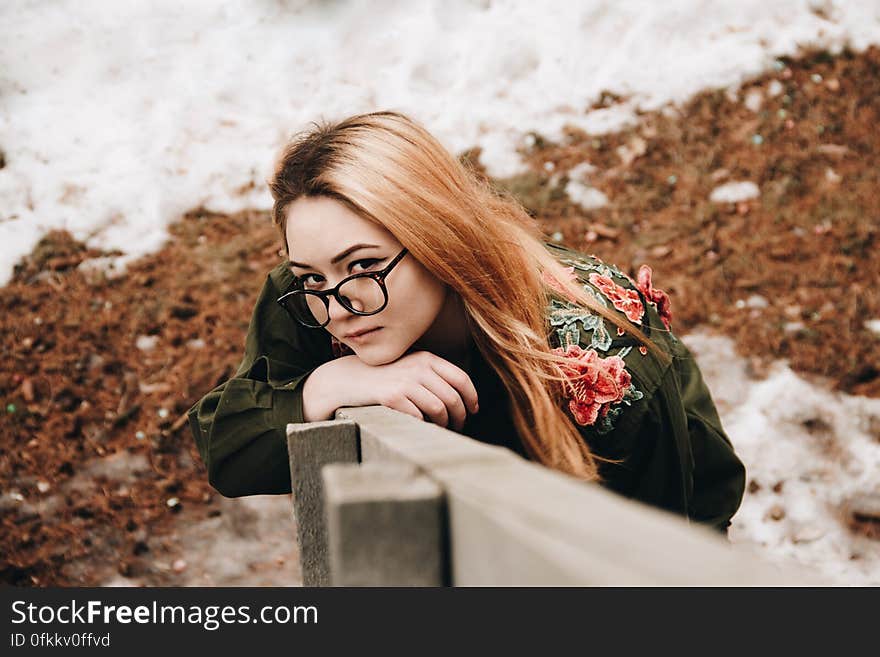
{"points": [[322, 391]]}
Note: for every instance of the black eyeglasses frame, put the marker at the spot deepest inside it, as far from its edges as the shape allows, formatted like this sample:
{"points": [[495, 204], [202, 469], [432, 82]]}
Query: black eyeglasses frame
{"points": [[324, 295]]}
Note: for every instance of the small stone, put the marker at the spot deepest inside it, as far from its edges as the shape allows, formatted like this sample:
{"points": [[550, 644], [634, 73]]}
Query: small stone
{"points": [[556, 237], [756, 301], [774, 88], [38, 321], [865, 507], [816, 78], [786, 74], [163, 413], [873, 325], [549, 166], [43, 486], [146, 342], [778, 65], [140, 435], [672, 179], [807, 534], [832, 176], [10, 408], [776, 513], [781, 113], [754, 100], [757, 140], [178, 566], [786, 100], [740, 304], [789, 124], [833, 84], [15, 495], [172, 502], [793, 327], [197, 343]]}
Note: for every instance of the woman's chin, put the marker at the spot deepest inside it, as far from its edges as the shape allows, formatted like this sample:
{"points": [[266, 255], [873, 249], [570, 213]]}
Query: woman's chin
{"points": [[375, 355]]}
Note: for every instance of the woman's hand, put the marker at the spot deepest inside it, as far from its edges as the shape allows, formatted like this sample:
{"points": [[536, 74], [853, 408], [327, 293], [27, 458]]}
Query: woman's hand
{"points": [[420, 384]]}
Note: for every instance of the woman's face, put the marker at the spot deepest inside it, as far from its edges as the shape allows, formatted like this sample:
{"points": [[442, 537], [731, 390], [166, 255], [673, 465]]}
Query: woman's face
{"points": [[321, 228]]}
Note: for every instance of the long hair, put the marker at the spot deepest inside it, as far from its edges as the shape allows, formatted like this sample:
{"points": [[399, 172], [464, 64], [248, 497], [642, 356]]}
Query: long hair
{"points": [[474, 238]]}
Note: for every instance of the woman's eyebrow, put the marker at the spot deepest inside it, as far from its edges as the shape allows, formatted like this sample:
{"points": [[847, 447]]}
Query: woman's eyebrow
{"points": [[341, 256]]}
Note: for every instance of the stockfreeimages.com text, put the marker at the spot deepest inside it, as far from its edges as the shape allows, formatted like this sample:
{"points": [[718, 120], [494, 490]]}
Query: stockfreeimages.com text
{"points": [[210, 617]]}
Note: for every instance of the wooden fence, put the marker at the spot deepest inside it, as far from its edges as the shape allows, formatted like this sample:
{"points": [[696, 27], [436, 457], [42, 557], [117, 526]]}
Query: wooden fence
{"points": [[383, 499]]}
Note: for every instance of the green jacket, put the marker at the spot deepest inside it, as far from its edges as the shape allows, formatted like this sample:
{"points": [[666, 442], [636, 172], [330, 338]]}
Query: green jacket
{"points": [[658, 417]]}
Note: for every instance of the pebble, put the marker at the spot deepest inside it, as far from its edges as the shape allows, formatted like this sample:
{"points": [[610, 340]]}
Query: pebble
{"points": [[754, 100], [140, 435], [162, 412], [756, 301], [873, 325], [833, 84], [866, 506], [178, 566], [146, 342], [43, 486], [556, 237], [549, 166], [832, 176], [198, 343], [776, 513], [816, 78], [672, 179], [757, 140], [807, 534], [172, 502], [793, 327], [775, 88], [10, 408]]}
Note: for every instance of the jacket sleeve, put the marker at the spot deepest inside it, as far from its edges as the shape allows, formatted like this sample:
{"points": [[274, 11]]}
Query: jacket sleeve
{"points": [[672, 450], [718, 474], [239, 426]]}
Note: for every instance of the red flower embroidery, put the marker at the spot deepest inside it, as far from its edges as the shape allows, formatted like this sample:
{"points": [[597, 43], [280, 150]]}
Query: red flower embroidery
{"points": [[553, 283], [626, 301], [594, 383], [657, 297]]}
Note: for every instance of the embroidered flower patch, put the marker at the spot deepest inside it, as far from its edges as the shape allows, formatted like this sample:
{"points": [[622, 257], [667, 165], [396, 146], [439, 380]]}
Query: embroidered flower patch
{"points": [[595, 386], [625, 300], [657, 297]]}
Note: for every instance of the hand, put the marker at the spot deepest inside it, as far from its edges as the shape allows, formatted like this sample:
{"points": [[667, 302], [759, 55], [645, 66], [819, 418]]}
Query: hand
{"points": [[420, 384]]}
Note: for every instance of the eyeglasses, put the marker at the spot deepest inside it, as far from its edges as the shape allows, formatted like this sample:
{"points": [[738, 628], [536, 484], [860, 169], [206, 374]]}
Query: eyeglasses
{"points": [[360, 294]]}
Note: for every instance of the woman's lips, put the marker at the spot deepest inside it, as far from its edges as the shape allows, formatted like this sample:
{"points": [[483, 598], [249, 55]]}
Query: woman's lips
{"points": [[364, 336]]}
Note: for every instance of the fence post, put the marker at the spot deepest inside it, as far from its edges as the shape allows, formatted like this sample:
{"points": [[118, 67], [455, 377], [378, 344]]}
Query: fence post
{"points": [[310, 446], [386, 526]]}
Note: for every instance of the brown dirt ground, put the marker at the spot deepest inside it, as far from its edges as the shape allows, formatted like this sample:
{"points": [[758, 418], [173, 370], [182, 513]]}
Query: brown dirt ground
{"points": [[75, 386]]}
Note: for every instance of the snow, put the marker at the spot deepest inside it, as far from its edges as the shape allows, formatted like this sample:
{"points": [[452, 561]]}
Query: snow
{"points": [[734, 192], [809, 450], [589, 198], [118, 116]]}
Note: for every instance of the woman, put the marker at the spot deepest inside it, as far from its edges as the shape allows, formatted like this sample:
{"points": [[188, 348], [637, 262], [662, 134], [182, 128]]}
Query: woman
{"points": [[412, 284]]}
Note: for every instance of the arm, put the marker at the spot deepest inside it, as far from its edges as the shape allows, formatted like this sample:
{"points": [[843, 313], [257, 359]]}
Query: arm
{"points": [[719, 475], [239, 425]]}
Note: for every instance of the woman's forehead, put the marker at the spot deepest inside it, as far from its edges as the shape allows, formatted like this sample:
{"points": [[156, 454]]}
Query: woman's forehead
{"points": [[319, 230]]}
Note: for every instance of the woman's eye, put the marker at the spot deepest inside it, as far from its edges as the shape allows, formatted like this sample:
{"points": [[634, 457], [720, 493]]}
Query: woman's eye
{"points": [[367, 262], [307, 283]]}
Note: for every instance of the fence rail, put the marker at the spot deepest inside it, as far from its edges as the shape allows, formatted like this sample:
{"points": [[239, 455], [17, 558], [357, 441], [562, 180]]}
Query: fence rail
{"points": [[383, 499]]}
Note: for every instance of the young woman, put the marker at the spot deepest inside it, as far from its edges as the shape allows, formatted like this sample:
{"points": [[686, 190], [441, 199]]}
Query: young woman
{"points": [[413, 284]]}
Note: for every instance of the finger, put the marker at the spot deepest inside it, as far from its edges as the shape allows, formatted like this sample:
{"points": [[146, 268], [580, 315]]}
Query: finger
{"points": [[406, 406], [455, 406], [458, 379], [430, 404]]}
